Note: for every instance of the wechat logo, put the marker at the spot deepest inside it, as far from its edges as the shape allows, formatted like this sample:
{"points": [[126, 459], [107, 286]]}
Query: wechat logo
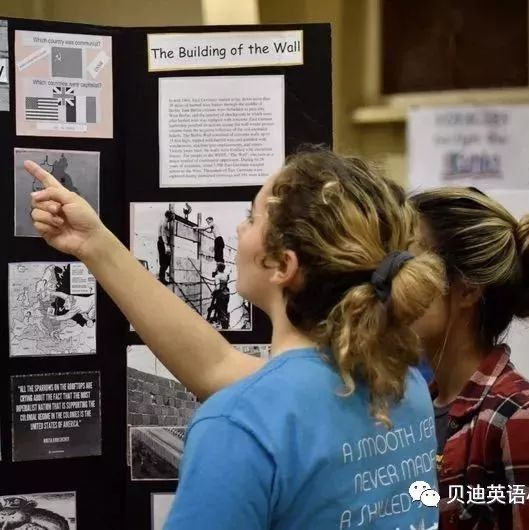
{"points": [[422, 492]]}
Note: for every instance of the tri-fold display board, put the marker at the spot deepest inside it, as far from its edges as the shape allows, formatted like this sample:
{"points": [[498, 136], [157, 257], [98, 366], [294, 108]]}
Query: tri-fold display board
{"points": [[168, 133]]}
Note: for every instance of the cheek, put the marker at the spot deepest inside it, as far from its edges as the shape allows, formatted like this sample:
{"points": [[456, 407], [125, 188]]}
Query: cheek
{"points": [[250, 244], [251, 275], [432, 324]]}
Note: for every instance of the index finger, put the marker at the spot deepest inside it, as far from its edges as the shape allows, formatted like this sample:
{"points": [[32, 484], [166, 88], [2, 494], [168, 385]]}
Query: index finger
{"points": [[48, 180]]}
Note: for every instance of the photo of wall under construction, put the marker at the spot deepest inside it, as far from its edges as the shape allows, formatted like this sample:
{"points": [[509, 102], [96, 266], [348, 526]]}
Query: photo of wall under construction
{"points": [[159, 408], [191, 248]]}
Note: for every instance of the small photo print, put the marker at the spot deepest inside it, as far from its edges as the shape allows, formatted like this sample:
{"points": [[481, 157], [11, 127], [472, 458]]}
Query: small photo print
{"points": [[191, 248], [4, 67], [156, 452], [160, 507], [154, 395], [77, 171], [52, 309], [39, 511], [255, 350]]}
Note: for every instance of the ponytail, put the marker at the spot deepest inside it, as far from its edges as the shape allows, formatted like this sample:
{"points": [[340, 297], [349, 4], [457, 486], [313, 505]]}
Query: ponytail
{"points": [[372, 339]]}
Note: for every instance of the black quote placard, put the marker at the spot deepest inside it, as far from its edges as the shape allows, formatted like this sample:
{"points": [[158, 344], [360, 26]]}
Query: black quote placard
{"points": [[56, 415]]}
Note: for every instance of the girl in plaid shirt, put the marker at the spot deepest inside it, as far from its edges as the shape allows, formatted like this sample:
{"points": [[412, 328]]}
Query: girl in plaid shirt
{"points": [[481, 402]]}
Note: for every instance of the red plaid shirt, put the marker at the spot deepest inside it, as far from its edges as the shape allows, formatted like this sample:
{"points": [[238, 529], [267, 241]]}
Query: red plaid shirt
{"points": [[487, 446]]}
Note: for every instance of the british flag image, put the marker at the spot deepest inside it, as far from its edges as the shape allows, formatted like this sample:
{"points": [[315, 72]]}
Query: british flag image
{"points": [[74, 108], [65, 95]]}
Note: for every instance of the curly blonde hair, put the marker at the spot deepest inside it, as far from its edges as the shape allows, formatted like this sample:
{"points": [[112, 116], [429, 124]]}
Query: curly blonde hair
{"points": [[342, 220]]}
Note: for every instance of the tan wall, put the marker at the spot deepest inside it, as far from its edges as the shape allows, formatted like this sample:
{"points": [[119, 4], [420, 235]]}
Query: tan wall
{"points": [[137, 12], [355, 50], [24, 9], [355, 73], [347, 34], [109, 12], [230, 11]]}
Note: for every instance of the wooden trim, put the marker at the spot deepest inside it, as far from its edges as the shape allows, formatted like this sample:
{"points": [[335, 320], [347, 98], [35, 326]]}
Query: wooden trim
{"points": [[372, 77], [395, 108]]}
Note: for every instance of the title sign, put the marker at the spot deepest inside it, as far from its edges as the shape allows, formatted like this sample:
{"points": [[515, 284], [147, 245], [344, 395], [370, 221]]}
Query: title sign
{"points": [[188, 51]]}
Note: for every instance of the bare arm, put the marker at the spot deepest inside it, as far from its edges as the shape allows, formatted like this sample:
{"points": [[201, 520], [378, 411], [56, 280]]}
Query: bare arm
{"points": [[191, 349], [163, 234], [185, 343]]}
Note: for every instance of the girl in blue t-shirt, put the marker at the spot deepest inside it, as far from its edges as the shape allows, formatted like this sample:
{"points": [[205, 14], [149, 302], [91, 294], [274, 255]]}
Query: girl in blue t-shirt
{"points": [[337, 429]]}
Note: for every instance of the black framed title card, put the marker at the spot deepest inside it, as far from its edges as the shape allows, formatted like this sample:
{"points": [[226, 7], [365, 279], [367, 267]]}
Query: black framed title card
{"points": [[56, 415]]}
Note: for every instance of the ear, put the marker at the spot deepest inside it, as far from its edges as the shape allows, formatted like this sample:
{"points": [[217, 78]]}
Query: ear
{"points": [[467, 294], [287, 270]]}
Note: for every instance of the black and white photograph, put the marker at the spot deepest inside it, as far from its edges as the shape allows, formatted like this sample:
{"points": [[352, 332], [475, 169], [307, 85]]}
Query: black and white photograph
{"points": [[156, 452], [154, 395], [56, 415], [39, 511], [255, 350], [52, 309], [160, 507], [191, 248], [4, 67], [158, 402], [77, 171]]}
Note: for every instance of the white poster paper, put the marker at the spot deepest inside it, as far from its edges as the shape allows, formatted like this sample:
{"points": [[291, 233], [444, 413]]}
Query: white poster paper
{"points": [[161, 506], [187, 51], [220, 131], [485, 147], [64, 84]]}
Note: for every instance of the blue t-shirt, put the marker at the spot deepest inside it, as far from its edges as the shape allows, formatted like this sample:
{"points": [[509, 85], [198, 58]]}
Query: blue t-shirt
{"points": [[426, 370], [283, 450]]}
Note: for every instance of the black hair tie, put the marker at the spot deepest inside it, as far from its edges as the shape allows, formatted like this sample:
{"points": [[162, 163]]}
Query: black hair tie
{"points": [[382, 277], [323, 291]]}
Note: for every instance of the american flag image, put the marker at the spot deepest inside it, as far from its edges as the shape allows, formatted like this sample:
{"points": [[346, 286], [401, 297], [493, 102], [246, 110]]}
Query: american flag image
{"points": [[42, 109]]}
